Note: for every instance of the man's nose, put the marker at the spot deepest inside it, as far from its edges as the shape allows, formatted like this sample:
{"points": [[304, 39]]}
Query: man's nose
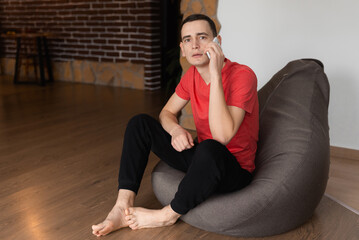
{"points": [[195, 44]]}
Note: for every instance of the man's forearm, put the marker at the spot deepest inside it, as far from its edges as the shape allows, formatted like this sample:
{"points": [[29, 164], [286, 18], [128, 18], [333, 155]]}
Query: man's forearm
{"points": [[220, 120], [168, 121]]}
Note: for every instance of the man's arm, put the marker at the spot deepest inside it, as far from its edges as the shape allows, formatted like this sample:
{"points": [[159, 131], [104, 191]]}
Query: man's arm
{"points": [[224, 121], [181, 139]]}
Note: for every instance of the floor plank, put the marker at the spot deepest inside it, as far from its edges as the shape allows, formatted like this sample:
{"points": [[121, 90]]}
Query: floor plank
{"points": [[343, 183], [59, 156]]}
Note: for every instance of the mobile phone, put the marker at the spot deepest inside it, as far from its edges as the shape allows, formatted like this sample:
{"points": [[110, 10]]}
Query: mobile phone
{"points": [[216, 41]]}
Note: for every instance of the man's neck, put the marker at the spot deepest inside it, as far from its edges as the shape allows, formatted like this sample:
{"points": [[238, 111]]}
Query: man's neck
{"points": [[204, 72]]}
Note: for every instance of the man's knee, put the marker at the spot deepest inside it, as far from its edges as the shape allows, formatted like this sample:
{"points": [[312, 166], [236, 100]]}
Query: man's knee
{"points": [[209, 150], [210, 145], [138, 120]]}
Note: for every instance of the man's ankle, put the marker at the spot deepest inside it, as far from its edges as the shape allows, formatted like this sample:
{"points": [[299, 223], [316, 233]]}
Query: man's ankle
{"points": [[125, 197], [171, 212]]}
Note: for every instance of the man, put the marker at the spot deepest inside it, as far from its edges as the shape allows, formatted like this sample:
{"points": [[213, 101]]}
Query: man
{"points": [[224, 101]]}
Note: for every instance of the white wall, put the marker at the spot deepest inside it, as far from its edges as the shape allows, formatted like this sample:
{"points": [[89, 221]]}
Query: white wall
{"points": [[267, 34]]}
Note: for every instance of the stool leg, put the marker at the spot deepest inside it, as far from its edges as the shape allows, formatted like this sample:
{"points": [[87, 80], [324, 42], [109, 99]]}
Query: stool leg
{"points": [[35, 67], [17, 61], [41, 64], [48, 62]]}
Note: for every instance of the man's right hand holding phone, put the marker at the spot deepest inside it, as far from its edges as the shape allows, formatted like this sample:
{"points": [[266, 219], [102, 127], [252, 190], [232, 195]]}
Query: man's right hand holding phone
{"points": [[216, 57], [215, 40]]}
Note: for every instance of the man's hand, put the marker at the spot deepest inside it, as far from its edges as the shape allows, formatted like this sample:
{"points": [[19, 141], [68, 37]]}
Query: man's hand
{"points": [[217, 59], [181, 139]]}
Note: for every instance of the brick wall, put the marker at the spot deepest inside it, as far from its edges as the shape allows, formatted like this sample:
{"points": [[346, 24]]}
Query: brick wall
{"points": [[102, 31]]}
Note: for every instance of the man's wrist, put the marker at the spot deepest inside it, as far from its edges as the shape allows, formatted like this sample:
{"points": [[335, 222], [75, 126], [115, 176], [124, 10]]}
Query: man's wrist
{"points": [[175, 128], [216, 78]]}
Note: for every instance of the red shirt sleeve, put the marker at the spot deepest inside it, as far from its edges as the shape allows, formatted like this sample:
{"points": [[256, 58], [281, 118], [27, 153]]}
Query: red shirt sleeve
{"points": [[183, 88], [242, 89]]}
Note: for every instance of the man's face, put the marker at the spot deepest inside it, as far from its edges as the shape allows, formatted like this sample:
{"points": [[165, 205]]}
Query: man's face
{"points": [[195, 37]]}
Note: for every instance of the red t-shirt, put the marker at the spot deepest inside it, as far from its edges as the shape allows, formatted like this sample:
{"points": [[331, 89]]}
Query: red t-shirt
{"points": [[240, 90]]}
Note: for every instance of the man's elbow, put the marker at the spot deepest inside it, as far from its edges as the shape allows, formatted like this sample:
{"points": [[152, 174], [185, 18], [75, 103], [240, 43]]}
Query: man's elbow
{"points": [[160, 116], [164, 112], [222, 139]]}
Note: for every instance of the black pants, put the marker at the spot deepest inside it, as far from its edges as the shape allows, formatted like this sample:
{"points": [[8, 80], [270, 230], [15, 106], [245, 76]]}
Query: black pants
{"points": [[209, 166]]}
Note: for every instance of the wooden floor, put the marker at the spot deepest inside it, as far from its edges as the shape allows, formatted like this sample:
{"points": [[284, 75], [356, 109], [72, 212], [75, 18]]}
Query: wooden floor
{"points": [[59, 154], [343, 184]]}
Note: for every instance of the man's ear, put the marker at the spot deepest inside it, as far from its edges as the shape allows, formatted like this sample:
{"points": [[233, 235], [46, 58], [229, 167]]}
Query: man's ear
{"points": [[219, 39], [181, 46]]}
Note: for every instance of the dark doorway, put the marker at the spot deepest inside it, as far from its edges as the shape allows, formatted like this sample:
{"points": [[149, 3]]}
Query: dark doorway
{"points": [[170, 37]]}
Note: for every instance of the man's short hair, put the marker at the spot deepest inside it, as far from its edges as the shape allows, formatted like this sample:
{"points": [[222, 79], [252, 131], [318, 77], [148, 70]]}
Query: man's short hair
{"points": [[195, 17]]}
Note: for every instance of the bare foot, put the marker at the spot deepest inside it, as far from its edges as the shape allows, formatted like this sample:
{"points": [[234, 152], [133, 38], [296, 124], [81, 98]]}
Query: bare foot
{"points": [[138, 218], [116, 218]]}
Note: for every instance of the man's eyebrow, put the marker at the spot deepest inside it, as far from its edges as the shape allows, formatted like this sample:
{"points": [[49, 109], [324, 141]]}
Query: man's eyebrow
{"points": [[202, 33], [184, 37], [198, 34]]}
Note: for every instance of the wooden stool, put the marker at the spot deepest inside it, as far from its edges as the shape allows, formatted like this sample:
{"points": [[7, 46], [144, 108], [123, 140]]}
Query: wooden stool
{"points": [[32, 47]]}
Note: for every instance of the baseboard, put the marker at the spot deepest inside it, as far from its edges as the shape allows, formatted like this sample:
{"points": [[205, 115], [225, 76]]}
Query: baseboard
{"points": [[346, 153]]}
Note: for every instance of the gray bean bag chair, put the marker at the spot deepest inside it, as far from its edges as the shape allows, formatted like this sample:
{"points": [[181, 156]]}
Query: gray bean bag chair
{"points": [[292, 162]]}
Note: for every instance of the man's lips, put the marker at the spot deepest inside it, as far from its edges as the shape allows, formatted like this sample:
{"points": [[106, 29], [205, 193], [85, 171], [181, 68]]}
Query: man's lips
{"points": [[197, 55]]}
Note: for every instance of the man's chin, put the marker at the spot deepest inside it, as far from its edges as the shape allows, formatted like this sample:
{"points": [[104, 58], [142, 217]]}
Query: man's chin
{"points": [[198, 63]]}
